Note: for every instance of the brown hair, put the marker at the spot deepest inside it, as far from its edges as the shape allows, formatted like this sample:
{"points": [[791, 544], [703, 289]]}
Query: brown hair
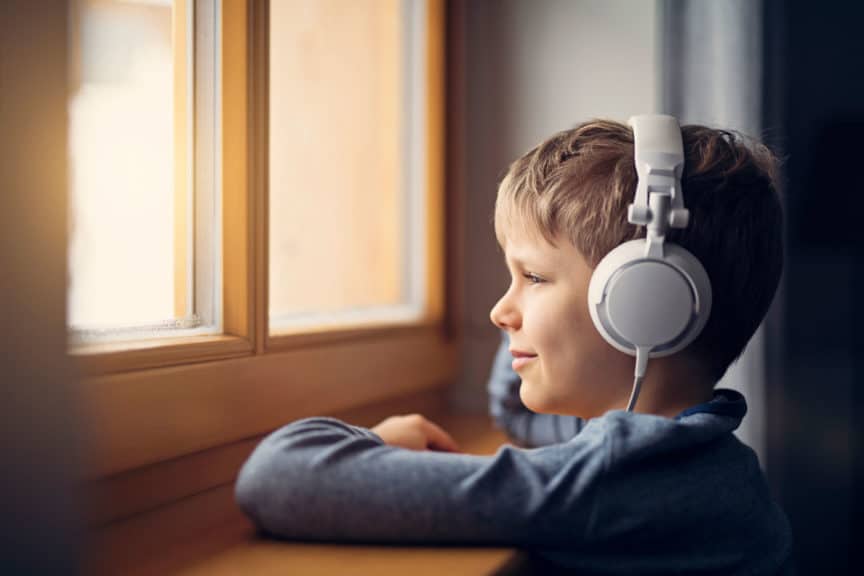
{"points": [[578, 184]]}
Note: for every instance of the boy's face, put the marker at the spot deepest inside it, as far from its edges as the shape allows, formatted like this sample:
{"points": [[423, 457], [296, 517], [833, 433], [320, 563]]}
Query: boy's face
{"points": [[565, 365]]}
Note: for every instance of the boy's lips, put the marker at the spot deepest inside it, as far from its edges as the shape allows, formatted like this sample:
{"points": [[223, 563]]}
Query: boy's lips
{"points": [[521, 359]]}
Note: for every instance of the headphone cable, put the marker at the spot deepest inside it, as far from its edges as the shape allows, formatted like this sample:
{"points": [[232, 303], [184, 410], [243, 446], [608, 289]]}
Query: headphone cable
{"points": [[639, 376]]}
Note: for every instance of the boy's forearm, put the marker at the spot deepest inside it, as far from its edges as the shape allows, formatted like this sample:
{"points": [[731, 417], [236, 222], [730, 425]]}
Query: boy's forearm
{"points": [[321, 479]]}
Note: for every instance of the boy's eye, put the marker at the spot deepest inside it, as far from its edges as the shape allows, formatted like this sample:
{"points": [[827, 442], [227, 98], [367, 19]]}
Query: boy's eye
{"points": [[533, 278]]}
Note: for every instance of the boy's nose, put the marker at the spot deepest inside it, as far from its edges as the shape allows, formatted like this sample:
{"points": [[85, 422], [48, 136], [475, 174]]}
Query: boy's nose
{"points": [[504, 315]]}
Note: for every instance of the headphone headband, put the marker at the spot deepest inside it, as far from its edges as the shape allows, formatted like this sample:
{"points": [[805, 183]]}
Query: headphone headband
{"points": [[659, 159]]}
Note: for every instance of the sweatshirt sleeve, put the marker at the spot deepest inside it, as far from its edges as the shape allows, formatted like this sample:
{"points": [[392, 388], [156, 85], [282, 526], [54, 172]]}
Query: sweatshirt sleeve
{"points": [[322, 479], [510, 414]]}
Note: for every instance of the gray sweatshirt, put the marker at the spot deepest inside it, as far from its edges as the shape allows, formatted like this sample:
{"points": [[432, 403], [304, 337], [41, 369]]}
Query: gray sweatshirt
{"points": [[624, 493]]}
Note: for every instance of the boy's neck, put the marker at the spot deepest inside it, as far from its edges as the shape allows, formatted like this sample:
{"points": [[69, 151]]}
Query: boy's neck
{"points": [[672, 385]]}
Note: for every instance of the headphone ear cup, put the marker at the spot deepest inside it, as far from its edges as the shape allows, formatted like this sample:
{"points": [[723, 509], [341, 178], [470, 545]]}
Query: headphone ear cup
{"points": [[656, 304]]}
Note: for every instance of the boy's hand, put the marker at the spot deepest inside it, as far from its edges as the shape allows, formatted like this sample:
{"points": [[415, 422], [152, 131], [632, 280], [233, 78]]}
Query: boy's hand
{"points": [[415, 433]]}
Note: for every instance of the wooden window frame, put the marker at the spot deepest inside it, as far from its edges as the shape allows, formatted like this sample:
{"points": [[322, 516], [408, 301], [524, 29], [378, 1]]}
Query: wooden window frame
{"points": [[158, 400]]}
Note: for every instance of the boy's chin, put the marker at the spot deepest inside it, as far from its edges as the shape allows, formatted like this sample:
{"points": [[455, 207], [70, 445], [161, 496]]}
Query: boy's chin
{"points": [[532, 400]]}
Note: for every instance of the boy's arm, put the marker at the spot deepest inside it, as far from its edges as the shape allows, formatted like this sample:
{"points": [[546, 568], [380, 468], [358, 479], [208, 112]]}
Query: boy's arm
{"points": [[322, 479], [521, 424]]}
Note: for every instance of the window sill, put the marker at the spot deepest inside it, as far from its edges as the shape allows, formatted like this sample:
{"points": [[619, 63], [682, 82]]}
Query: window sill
{"points": [[145, 417], [111, 358], [258, 556], [206, 533]]}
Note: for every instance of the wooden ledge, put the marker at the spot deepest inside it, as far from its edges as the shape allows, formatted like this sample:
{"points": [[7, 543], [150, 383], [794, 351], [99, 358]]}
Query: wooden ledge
{"points": [[205, 533], [261, 557], [255, 555]]}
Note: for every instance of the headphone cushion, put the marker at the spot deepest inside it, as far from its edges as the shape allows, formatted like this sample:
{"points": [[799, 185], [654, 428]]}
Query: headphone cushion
{"points": [[659, 304]]}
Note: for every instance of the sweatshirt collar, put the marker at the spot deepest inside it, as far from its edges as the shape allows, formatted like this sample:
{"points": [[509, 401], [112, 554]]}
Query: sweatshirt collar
{"points": [[726, 402]]}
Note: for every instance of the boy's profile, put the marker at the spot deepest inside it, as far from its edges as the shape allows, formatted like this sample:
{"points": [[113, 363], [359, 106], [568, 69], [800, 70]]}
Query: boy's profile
{"points": [[665, 488]]}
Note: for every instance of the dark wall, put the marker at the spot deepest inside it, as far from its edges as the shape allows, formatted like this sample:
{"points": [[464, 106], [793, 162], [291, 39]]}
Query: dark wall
{"points": [[814, 113], [41, 525]]}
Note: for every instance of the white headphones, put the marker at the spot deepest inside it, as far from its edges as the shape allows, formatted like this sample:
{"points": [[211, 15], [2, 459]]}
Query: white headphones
{"points": [[649, 297]]}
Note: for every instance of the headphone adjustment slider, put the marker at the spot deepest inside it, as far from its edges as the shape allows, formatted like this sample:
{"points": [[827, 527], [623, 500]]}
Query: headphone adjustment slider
{"points": [[679, 218]]}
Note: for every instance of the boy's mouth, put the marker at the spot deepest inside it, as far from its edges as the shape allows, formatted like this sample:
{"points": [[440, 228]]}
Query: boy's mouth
{"points": [[521, 359]]}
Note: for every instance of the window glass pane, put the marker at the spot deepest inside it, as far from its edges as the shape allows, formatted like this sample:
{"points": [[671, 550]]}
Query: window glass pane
{"points": [[132, 184], [344, 227]]}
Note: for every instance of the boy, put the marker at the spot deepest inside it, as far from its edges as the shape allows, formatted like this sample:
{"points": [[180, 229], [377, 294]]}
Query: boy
{"points": [[666, 488]]}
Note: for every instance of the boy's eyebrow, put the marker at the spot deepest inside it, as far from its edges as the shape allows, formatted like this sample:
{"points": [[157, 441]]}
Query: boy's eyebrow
{"points": [[519, 262]]}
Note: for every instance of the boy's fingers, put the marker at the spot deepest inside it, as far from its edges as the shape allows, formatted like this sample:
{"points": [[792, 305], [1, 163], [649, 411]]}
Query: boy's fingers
{"points": [[437, 438]]}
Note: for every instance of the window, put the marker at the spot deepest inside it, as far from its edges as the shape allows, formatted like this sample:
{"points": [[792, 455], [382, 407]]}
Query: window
{"points": [[380, 335], [145, 193], [347, 162]]}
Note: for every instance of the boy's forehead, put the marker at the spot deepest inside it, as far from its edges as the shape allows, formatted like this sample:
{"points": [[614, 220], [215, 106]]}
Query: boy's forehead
{"points": [[522, 244], [519, 231], [526, 245]]}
